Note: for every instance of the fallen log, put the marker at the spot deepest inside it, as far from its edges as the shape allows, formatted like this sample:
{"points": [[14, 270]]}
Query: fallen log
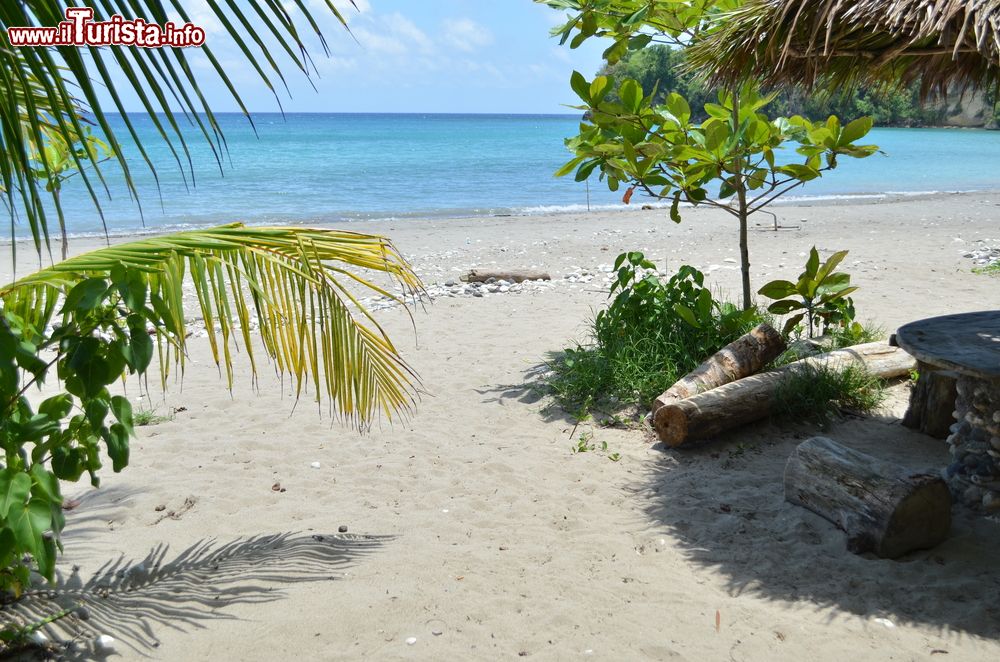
{"points": [[743, 357], [884, 508], [932, 401], [512, 276], [707, 414]]}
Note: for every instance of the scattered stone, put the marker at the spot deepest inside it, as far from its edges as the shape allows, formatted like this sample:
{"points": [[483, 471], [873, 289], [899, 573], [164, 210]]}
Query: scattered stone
{"points": [[104, 645], [315, 465], [342, 528], [973, 494], [160, 508], [991, 502], [411, 640]]}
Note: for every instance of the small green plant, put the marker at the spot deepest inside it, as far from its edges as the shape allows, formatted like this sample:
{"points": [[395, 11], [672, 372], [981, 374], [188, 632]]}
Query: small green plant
{"points": [[820, 394], [585, 444], [146, 417], [988, 270], [654, 330], [819, 297]]}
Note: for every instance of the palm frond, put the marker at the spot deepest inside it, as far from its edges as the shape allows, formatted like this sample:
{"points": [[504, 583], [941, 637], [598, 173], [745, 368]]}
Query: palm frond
{"points": [[58, 87], [130, 599], [295, 283], [946, 44]]}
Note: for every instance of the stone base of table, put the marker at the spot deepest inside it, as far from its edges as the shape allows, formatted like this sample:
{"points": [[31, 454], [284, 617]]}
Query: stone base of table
{"points": [[974, 474]]}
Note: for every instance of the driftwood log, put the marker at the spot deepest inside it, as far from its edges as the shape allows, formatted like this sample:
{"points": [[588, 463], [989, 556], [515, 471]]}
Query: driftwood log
{"points": [[512, 276], [884, 508], [707, 414], [741, 358], [932, 401]]}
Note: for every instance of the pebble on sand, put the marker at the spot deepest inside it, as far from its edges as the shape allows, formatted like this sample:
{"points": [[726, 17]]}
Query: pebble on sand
{"points": [[104, 644]]}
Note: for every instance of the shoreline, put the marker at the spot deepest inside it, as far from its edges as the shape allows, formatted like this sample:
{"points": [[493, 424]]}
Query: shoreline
{"points": [[542, 212]]}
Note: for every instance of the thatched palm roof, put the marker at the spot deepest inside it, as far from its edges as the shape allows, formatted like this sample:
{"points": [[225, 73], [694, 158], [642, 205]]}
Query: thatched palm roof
{"points": [[946, 44]]}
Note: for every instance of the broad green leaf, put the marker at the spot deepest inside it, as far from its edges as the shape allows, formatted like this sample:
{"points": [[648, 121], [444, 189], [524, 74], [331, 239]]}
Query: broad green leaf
{"points": [[717, 111], [14, 489], [778, 289], [599, 88], [785, 307], [580, 86], [687, 315], [86, 295], [46, 483], [792, 322], [812, 264], [631, 95], [678, 107], [855, 130], [122, 409]]}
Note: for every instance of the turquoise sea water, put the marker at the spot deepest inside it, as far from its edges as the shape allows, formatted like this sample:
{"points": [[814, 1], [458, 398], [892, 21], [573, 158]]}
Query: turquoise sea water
{"points": [[332, 168]]}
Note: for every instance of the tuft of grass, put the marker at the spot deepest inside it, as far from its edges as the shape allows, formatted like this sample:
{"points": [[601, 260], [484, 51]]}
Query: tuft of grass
{"points": [[989, 269], [837, 338], [856, 334], [634, 367], [821, 395], [144, 417]]}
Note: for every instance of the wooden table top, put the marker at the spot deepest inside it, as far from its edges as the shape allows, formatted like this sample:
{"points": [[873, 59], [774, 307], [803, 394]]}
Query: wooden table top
{"points": [[968, 343]]}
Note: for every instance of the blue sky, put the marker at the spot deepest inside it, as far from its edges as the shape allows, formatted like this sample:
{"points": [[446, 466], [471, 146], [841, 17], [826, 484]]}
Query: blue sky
{"points": [[469, 56]]}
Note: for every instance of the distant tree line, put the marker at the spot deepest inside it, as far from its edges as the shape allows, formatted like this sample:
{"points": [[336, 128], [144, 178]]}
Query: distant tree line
{"points": [[661, 65]]}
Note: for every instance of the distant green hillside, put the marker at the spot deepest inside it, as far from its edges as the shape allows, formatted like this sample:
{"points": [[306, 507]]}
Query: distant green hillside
{"points": [[660, 64]]}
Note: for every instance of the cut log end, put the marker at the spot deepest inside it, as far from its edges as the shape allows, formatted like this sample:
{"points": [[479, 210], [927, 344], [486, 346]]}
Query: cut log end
{"points": [[884, 508], [670, 426]]}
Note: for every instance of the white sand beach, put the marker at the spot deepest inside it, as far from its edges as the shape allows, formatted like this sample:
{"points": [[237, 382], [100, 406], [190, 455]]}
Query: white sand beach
{"points": [[473, 531]]}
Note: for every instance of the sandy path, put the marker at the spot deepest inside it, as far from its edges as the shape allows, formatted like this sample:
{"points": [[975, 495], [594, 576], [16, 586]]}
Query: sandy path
{"points": [[502, 540]]}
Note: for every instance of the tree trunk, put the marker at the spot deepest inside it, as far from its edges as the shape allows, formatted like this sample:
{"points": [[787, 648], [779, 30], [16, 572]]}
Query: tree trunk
{"points": [[932, 402], [884, 508], [511, 275], [741, 197], [741, 358], [707, 414]]}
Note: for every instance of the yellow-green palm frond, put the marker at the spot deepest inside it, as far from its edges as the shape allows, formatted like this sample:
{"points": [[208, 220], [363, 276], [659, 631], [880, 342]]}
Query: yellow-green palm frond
{"points": [[301, 286]]}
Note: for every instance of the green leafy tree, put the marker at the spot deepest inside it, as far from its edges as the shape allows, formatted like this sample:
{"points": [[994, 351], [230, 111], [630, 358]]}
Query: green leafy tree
{"points": [[634, 140], [85, 323]]}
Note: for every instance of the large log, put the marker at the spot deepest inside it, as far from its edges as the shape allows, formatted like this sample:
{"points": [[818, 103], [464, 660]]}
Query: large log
{"points": [[707, 414], [932, 401], [884, 508], [510, 275], [741, 358]]}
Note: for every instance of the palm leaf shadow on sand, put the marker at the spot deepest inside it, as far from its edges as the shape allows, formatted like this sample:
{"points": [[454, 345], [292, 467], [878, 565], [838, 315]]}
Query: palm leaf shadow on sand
{"points": [[129, 600], [724, 505], [534, 390]]}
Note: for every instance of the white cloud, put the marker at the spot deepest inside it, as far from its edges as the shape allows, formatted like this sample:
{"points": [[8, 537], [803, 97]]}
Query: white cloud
{"points": [[393, 34], [466, 35]]}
